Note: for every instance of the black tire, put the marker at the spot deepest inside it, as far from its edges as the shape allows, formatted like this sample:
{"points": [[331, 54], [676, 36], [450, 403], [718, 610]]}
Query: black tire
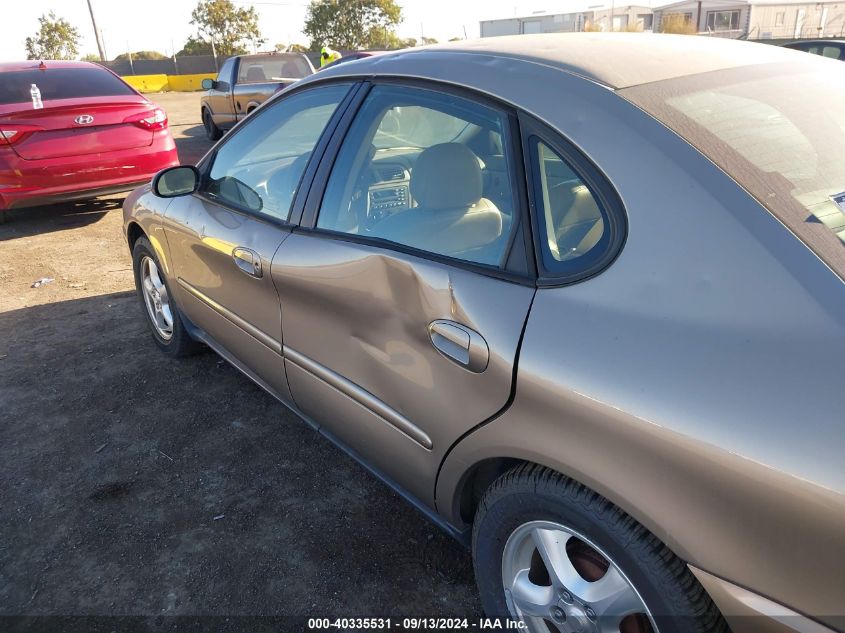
{"points": [[212, 132], [180, 342], [677, 601]]}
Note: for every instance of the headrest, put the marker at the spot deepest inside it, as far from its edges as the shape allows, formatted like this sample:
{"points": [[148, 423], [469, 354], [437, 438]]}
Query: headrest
{"points": [[255, 73], [446, 176]]}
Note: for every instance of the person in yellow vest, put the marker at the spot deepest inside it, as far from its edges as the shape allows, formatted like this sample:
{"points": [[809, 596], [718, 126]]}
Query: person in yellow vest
{"points": [[327, 56]]}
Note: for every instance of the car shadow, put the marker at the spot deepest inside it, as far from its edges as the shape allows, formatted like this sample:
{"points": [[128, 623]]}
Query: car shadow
{"points": [[191, 143], [123, 464], [56, 217]]}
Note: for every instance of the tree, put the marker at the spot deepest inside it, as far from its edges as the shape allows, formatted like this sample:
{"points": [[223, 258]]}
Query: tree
{"points": [[228, 26], [456, 39], [90, 57], [56, 39], [352, 24], [140, 55], [197, 46], [428, 40], [291, 48]]}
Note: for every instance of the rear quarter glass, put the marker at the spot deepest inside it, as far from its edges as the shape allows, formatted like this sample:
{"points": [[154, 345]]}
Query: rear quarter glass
{"points": [[60, 83]]}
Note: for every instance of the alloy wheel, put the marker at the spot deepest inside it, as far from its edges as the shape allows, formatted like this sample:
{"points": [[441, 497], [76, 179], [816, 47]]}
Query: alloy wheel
{"points": [[156, 298], [555, 580]]}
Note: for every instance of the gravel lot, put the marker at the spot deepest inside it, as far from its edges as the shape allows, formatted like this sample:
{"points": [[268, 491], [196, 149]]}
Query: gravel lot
{"points": [[135, 485]]}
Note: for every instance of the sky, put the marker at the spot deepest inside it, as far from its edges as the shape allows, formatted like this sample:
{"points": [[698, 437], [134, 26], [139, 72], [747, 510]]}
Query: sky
{"points": [[163, 25]]}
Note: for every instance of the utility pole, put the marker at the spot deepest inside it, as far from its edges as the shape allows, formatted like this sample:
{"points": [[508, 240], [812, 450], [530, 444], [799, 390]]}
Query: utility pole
{"points": [[96, 33]]}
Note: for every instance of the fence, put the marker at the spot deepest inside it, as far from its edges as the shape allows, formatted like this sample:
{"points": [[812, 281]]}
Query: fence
{"points": [[187, 65]]}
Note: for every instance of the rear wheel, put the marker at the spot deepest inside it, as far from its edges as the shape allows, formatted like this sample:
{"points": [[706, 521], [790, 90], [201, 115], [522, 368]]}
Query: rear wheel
{"points": [[559, 557], [211, 130], [163, 316]]}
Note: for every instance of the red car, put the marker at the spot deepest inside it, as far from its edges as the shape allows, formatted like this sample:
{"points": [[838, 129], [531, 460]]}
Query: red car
{"points": [[75, 130]]}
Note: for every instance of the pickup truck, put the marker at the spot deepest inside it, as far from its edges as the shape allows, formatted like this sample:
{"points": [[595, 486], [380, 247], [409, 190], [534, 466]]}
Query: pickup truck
{"points": [[243, 83]]}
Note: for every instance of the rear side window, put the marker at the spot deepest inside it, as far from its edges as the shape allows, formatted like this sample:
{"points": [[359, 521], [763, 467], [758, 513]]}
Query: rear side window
{"points": [[573, 227], [60, 83], [424, 170], [272, 68]]}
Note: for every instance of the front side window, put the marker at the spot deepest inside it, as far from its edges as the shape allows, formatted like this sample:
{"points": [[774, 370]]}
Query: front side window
{"points": [[424, 170], [259, 168], [573, 227], [225, 74]]}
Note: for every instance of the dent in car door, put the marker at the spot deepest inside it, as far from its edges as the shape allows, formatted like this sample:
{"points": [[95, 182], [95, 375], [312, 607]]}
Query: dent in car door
{"points": [[223, 239], [361, 360], [395, 352]]}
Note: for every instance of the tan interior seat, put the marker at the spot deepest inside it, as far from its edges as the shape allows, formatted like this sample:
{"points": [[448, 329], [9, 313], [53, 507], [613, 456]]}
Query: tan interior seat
{"points": [[451, 217], [577, 221]]}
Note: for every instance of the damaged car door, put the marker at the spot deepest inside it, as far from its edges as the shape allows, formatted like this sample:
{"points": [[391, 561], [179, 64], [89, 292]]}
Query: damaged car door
{"points": [[405, 291]]}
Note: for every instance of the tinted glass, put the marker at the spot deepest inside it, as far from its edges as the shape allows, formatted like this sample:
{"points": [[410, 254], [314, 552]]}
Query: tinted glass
{"points": [[572, 224], [60, 83], [259, 167], [225, 73], [272, 68], [425, 170], [778, 130]]}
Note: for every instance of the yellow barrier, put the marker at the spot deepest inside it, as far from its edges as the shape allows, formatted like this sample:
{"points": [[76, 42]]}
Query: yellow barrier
{"points": [[147, 83], [164, 83], [187, 83]]}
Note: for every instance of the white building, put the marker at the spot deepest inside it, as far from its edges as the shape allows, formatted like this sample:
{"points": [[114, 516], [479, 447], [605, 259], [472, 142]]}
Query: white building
{"points": [[595, 15], [759, 19]]}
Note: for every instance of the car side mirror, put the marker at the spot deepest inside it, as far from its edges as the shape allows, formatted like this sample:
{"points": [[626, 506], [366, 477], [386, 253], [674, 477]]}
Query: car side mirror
{"points": [[208, 84], [176, 181]]}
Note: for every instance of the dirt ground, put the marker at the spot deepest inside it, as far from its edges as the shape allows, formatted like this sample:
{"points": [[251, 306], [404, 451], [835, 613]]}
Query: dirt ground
{"points": [[135, 485]]}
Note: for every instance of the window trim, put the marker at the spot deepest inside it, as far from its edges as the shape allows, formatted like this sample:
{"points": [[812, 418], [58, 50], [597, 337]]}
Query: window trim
{"points": [[608, 200], [207, 163], [513, 156]]}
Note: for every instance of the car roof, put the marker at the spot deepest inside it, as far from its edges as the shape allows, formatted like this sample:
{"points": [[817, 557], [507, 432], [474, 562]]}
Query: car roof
{"points": [[821, 40], [34, 64], [615, 60]]}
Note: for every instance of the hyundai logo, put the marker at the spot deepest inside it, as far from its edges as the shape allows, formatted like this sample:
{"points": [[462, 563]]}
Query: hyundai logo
{"points": [[84, 119]]}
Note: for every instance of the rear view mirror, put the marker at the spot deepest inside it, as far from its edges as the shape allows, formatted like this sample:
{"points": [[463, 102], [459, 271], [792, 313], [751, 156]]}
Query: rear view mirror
{"points": [[207, 84], [176, 181]]}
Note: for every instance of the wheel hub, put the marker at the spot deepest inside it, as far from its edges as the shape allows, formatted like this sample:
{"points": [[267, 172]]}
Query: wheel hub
{"points": [[572, 618]]}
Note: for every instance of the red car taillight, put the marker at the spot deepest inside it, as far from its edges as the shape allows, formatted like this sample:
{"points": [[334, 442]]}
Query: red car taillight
{"points": [[11, 133], [153, 120]]}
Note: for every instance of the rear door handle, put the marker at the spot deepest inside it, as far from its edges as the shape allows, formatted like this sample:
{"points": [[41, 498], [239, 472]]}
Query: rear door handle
{"points": [[460, 344], [248, 261]]}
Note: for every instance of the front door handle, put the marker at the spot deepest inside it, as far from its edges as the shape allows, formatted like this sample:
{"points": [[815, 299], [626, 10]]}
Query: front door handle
{"points": [[460, 344], [248, 261]]}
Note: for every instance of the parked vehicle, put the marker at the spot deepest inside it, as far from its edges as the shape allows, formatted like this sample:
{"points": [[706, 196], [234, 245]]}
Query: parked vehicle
{"points": [[589, 319], [75, 130], [244, 83], [835, 49]]}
